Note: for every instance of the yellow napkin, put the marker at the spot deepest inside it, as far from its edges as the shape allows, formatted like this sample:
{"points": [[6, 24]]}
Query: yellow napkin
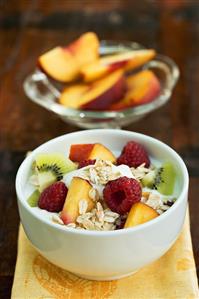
{"points": [[172, 276]]}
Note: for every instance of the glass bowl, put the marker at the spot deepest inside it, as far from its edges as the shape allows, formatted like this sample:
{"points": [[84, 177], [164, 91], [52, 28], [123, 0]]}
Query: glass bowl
{"points": [[44, 92]]}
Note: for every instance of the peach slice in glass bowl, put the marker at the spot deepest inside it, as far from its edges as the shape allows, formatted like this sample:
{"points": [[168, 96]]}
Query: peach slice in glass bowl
{"points": [[44, 92]]}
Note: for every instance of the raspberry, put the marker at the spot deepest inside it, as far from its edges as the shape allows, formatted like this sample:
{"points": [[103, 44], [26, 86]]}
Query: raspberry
{"points": [[121, 193], [53, 197], [86, 163], [133, 155]]}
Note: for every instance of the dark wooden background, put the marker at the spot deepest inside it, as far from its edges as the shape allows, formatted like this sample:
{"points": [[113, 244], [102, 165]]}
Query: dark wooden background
{"points": [[29, 27]]}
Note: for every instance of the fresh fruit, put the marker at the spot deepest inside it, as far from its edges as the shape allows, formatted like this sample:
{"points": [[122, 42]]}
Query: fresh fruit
{"points": [[53, 197], [78, 190], [133, 155], [121, 193], [140, 213], [143, 88], [149, 179], [64, 63], [33, 199], [59, 64], [50, 168], [86, 163], [72, 94], [100, 95], [165, 179], [162, 179], [101, 152], [85, 49], [105, 65], [82, 152]]}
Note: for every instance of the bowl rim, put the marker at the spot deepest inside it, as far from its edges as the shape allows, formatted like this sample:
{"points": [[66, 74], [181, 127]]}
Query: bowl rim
{"points": [[164, 63], [140, 227]]}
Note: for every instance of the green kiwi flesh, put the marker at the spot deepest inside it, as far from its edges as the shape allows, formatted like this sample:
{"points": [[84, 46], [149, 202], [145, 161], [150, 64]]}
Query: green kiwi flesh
{"points": [[50, 168], [149, 179], [33, 199], [161, 179], [165, 179]]}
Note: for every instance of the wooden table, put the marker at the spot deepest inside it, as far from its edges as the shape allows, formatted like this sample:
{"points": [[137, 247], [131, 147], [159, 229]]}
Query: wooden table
{"points": [[28, 28]]}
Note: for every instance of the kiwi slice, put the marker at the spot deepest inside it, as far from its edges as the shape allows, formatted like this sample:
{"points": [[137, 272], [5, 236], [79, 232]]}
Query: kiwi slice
{"points": [[161, 179], [50, 168], [33, 199], [149, 179], [165, 179]]}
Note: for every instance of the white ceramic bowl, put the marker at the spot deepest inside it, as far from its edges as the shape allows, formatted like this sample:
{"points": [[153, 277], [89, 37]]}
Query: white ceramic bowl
{"points": [[104, 255]]}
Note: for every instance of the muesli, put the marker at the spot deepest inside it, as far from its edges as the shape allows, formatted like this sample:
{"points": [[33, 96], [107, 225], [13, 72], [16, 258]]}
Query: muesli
{"points": [[94, 190]]}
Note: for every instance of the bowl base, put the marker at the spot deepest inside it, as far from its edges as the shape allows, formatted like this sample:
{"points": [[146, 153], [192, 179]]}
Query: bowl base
{"points": [[104, 278]]}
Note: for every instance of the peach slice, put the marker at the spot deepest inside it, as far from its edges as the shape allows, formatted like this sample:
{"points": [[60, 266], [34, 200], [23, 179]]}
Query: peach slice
{"points": [[72, 94], [59, 64], [143, 88], [97, 96], [127, 61], [140, 213], [64, 63], [101, 94], [81, 152], [78, 190], [99, 151], [85, 49]]}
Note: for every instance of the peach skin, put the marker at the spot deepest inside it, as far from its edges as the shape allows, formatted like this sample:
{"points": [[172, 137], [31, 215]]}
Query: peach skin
{"points": [[64, 63], [97, 96], [143, 88], [126, 61], [78, 190], [85, 49], [81, 152]]}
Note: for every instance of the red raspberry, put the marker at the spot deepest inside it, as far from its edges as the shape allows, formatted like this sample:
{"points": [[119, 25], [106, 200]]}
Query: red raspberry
{"points": [[133, 155], [121, 193], [53, 197], [86, 163]]}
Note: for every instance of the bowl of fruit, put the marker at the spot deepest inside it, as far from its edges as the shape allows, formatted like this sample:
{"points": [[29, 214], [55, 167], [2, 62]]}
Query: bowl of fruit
{"points": [[101, 84], [102, 203]]}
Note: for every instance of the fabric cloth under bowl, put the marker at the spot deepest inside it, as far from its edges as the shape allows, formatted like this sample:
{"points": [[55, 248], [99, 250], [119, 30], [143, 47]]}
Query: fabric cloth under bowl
{"points": [[173, 276]]}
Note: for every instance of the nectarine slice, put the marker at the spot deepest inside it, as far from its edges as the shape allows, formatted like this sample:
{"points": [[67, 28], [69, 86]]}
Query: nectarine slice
{"points": [[81, 152], [103, 92], [143, 88], [70, 95], [78, 190], [64, 63], [99, 151], [140, 213], [97, 96], [59, 64], [85, 49], [126, 61]]}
